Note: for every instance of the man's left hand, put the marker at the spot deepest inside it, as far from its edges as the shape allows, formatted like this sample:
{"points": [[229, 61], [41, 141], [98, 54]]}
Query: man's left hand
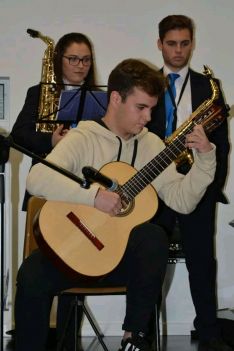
{"points": [[198, 140]]}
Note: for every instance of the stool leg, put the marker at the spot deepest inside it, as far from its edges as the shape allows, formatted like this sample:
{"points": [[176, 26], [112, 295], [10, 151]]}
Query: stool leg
{"points": [[157, 330], [76, 324], [98, 334]]}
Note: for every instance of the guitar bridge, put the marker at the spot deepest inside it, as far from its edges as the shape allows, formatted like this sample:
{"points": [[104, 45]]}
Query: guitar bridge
{"points": [[89, 235]]}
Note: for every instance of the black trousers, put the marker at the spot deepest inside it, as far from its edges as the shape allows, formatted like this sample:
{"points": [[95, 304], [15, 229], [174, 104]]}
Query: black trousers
{"points": [[142, 270], [64, 303], [197, 237]]}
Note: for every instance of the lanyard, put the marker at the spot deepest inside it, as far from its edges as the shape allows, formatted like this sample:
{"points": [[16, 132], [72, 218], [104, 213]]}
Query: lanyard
{"points": [[181, 93]]}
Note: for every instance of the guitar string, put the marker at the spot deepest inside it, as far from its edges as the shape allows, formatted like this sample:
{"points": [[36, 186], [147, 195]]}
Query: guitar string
{"points": [[144, 177], [149, 172]]}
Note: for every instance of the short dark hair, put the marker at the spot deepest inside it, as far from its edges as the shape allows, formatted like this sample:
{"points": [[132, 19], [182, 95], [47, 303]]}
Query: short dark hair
{"points": [[133, 73], [175, 22], [61, 47]]}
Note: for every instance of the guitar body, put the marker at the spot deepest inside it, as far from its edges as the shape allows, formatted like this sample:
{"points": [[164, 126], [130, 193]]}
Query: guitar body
{"points": [[69, 243]]}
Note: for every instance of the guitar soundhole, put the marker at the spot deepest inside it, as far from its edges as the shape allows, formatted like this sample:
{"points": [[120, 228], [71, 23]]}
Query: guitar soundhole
{"points": [[128, 206]]}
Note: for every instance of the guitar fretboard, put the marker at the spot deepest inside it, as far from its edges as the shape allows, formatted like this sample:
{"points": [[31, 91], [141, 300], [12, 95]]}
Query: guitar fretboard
{"points": [[157, 165], [208, 115]]}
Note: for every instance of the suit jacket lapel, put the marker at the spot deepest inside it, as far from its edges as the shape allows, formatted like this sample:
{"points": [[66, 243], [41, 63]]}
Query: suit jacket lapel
{"points": [[200, 88]]}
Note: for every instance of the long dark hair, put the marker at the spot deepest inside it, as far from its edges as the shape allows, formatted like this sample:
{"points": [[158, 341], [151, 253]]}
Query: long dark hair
{"points": [[61, 47]]}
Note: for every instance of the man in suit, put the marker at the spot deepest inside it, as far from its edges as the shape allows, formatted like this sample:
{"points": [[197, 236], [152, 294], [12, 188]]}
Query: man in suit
{"points": [[197, 229]]}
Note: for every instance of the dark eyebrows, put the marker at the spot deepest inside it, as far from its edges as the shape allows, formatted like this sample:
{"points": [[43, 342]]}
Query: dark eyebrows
{"points": [[142, 105], [187, 41], [72, 55], [183, 42]]}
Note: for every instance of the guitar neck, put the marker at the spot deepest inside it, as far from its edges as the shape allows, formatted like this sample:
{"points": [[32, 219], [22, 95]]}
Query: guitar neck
{"points": [[208, 115], [157, 165]]}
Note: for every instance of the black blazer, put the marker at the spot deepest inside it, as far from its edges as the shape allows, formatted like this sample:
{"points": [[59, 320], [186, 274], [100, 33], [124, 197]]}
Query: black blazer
{"points": [[24, 130], [200, 91]]}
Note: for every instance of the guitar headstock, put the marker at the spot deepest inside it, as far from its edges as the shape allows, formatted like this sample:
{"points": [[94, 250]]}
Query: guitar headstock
{"points": [[212, 118]]}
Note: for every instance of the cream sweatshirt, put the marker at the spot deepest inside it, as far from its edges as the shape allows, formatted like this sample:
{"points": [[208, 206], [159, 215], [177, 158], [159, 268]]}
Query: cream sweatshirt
{"points": [[91, 144]]}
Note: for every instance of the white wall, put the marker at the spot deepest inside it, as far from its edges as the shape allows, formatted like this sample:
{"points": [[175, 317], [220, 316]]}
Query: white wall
{"points": [[120, 29]]}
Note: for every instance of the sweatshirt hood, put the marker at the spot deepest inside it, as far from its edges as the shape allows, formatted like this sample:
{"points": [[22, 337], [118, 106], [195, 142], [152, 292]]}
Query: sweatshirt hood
{"points": [[97, 129], [92, 129]]}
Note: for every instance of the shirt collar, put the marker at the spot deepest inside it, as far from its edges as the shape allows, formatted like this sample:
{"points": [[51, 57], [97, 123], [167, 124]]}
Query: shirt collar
{"points": [[71, 87], [183, 72]]}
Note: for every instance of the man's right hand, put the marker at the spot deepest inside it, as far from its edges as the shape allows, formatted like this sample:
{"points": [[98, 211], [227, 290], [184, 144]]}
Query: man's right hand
{"points": [[108, 202]]}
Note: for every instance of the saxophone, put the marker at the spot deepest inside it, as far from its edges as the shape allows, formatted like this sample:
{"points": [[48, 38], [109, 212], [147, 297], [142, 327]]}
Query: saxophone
{"points": [[49, 94], [208, 114]]}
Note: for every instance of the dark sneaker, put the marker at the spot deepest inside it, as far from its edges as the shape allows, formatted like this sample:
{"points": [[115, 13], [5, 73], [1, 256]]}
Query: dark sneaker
{"points": [[137, 342]]}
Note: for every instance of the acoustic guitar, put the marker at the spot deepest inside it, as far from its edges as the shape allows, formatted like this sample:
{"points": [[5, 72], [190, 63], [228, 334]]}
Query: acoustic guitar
{"points": [[93, 243]]}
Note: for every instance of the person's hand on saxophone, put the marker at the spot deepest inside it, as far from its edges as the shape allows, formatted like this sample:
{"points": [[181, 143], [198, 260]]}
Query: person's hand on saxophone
{"points": [[58, 134]]}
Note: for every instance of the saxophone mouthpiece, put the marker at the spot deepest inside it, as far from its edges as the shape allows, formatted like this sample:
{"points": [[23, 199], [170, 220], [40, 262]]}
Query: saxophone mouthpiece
{"points": [[207, 71], [33, 33]]}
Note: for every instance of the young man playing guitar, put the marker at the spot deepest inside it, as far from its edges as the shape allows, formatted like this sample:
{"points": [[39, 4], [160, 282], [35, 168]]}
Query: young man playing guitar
{"points": [[133, 90]]}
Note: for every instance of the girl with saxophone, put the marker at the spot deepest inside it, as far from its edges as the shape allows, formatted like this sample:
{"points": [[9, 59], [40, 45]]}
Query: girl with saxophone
{"points": [[69, 64], [72, 63]]}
